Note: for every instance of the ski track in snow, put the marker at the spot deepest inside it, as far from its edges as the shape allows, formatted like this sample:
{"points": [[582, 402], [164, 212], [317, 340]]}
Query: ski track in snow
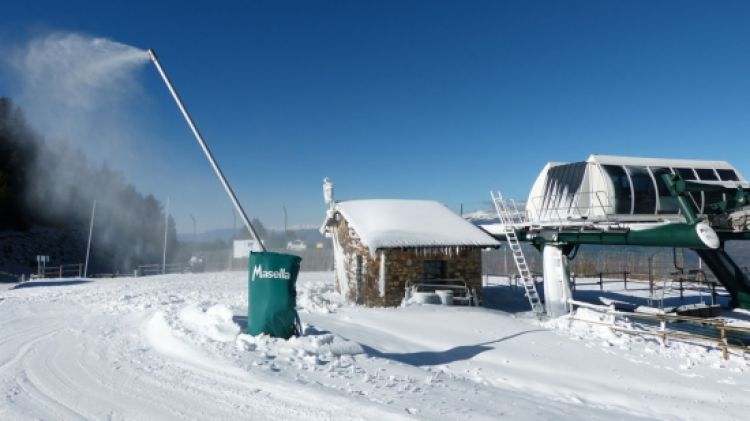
{"points": [[169, 347]]}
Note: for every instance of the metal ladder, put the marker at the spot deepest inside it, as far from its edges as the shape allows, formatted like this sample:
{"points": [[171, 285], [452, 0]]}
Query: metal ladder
{"points": [[508, 218]]}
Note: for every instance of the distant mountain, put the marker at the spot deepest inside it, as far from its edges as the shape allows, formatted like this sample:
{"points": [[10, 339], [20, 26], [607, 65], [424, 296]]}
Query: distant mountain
{"points": [[480, 217]]}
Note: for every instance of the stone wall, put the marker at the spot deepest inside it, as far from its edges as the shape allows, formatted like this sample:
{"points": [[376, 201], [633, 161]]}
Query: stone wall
{"points": [[368, 292], [405, 266], [402, 266]]}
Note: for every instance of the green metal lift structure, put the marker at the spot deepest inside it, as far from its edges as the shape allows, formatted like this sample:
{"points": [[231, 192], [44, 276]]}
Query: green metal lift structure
{"points": [[705, 232]]}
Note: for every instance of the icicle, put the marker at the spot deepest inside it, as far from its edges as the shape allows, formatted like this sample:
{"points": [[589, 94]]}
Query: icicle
{"points": [[382, 274]]}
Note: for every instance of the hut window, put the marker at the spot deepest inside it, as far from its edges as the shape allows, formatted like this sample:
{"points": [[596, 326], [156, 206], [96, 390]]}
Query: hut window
{"points": [[644, 190], [620, 187], [434, 269], [667, 203]]}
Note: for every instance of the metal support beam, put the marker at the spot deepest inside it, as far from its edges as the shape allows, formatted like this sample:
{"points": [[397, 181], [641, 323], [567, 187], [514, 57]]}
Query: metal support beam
{"points": [[207, 151]]}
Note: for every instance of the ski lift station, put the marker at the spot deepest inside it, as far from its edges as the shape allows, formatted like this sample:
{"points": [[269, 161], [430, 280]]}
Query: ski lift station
{"points": [[622, 189], [615, 200], [388, 250]]}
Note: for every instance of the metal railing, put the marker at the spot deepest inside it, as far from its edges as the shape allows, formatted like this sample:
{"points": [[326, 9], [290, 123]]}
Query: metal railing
{"points": [[603, 277], [62, 271], [513, 279], [714, 332], [159, 269], [566, 207]]}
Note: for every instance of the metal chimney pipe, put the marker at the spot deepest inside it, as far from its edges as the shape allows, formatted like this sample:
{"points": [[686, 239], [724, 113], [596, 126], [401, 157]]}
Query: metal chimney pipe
{"points": [[207, 151]]}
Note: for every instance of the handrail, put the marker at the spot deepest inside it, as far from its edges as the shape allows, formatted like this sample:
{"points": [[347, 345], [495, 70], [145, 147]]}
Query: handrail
{"points": [[719, 324], [563, 207], [71, 270]]}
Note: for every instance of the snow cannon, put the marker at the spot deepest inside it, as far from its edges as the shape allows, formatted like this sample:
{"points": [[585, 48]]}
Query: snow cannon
{"points": [[272, 296]]}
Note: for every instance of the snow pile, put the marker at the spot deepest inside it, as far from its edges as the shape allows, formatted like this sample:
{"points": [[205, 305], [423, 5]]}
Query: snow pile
{"points": [[215, 323], [317, 296], [389, 223], [306, 352], [588, 324]]}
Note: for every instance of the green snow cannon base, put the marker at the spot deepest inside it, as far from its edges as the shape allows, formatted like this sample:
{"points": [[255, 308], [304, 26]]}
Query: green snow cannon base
{"points": [[272, 300]]}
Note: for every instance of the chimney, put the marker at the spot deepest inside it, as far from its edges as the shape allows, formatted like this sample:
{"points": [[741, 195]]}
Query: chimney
{"points": [[328, 192]]}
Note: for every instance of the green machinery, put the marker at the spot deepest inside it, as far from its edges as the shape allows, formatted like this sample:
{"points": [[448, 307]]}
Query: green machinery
{"points": [[701, 214]]}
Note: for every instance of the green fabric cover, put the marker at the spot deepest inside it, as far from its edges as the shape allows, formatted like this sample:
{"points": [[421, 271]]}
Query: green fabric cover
{"points": [[272, 299]]}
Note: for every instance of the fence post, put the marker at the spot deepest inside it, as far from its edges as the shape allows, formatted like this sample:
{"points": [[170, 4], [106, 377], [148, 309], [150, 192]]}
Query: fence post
{"points": [[61, 270], [574, 281], [713, 294], [681, 297], [724, 342], [625, 279], [80, 269], [601, 281], [650, 283], [663, 328]]}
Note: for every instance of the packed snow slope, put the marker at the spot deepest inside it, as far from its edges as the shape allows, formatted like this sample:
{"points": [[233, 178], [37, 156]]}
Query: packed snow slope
{"points": [[172, 347]]}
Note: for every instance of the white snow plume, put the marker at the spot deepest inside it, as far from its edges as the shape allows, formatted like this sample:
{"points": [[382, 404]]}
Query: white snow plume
{"points": [[75, 87], [79, 93]]}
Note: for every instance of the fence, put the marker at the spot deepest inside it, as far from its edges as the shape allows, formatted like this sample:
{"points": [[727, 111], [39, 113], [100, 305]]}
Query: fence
{"points": [[221, 260], [712, 331], [513, 280], [313, 260], [62, 271], [158, 269], [638, 262], [500, 261]]}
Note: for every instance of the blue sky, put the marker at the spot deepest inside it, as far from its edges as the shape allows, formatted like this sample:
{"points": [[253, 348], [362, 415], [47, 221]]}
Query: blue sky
{"points": [[439, 100]]}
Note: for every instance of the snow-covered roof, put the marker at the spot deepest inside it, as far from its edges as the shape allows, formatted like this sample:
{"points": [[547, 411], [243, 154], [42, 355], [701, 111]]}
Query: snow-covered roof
{"points": [[391, 223]]}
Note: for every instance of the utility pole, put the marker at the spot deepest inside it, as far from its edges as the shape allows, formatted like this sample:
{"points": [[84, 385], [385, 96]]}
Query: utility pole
{"points": [[88, 247], [285, 219], [166, 231], [231, 240], [195, 236]]}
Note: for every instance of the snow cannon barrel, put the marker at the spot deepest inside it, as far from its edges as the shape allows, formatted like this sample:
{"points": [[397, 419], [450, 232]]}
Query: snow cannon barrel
{"points": [[272, 300]]}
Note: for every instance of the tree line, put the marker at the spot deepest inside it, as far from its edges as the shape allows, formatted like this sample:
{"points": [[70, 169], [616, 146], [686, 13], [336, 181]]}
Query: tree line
{"points": [[53, 184]]}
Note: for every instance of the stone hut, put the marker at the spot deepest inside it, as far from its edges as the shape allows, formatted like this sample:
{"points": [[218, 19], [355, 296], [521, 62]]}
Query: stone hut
{"points": [[381, 246]]}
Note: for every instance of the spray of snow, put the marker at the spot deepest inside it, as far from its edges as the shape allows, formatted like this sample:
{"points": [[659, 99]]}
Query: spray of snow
{"points": [[80, 71], [76, 87], [78, 92]]}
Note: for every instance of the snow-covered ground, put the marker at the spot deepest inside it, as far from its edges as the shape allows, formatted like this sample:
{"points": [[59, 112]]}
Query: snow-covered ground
{"points": [[168, 347]]}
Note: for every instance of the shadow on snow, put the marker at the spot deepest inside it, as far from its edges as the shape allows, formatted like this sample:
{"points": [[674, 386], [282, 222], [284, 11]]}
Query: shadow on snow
{"points": [[34, 284], [458, 353]]}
